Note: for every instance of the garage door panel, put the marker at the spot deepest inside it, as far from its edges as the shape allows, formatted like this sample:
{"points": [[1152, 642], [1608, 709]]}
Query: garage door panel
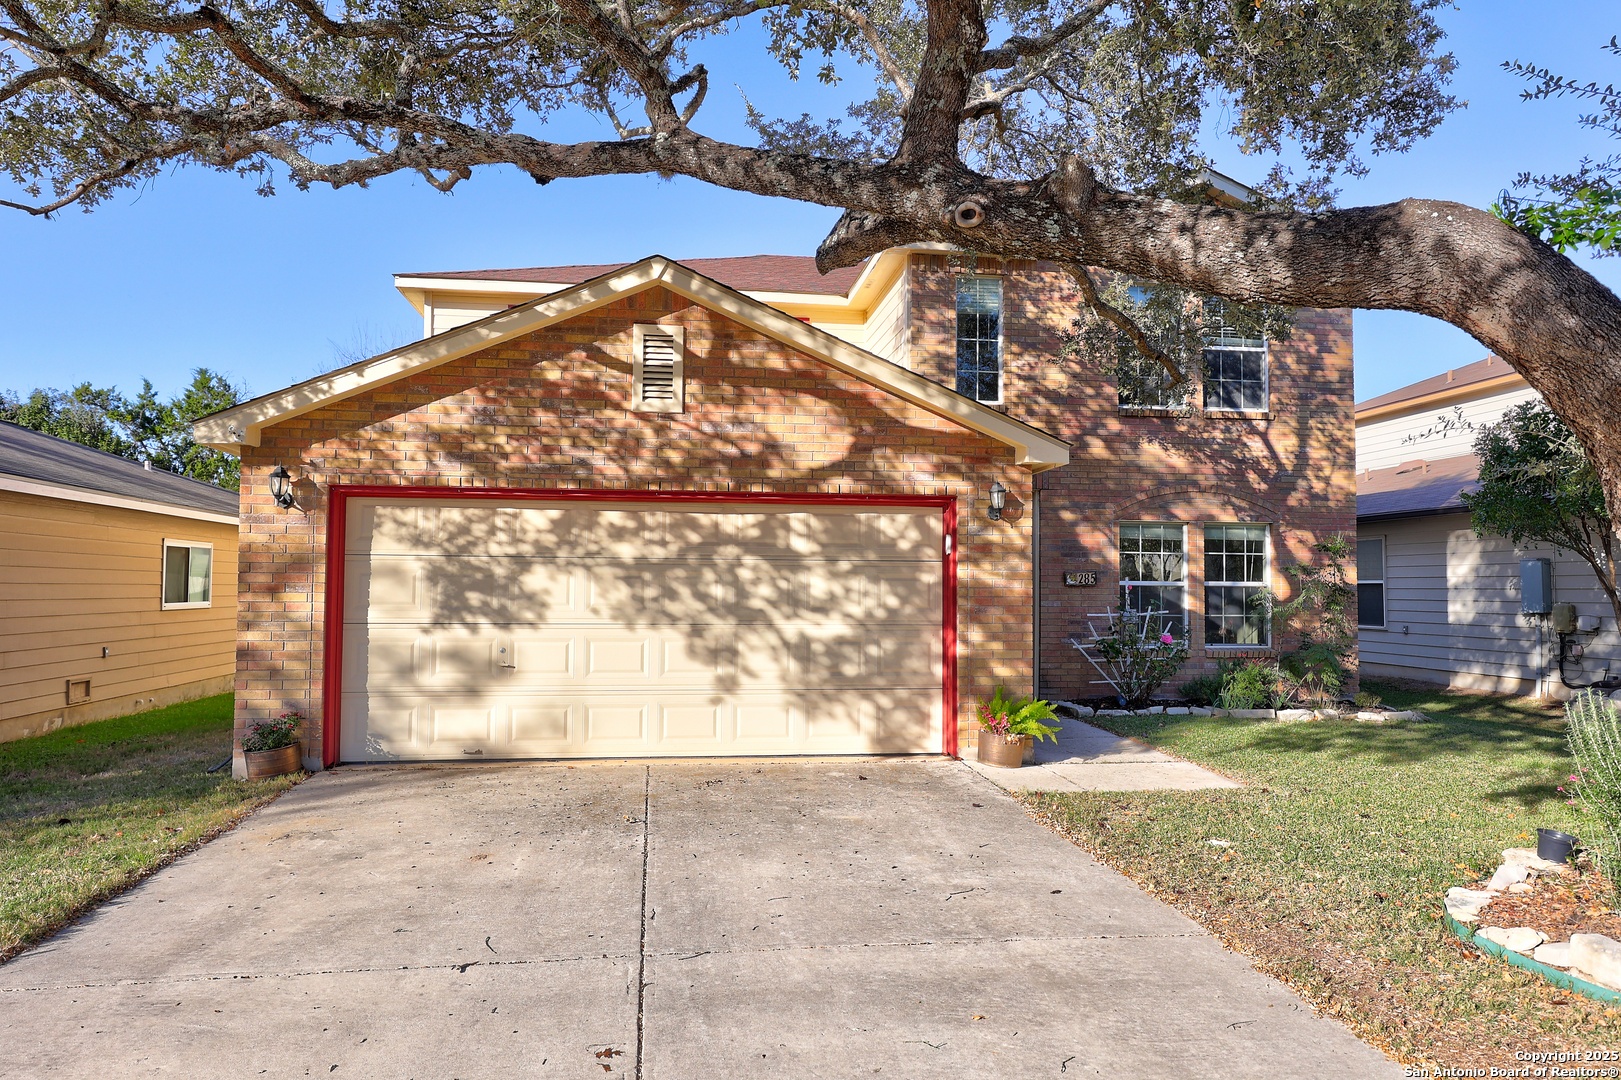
{"points": [[543, 728], [577, 631]]}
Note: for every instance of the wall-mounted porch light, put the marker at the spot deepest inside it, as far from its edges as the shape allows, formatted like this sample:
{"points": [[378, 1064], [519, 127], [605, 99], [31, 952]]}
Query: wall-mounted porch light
{"points": [[998, 500], [281, 487]]}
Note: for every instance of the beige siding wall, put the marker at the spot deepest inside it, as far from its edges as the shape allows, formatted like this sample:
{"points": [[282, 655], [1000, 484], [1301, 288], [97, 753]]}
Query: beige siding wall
{"points": [[886, 326], [1432, 433], [1452, 603], [76, 578], [448, 311]]}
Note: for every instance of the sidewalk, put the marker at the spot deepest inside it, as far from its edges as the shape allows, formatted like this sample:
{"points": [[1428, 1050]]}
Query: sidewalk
{"points": [[1087, 758]]}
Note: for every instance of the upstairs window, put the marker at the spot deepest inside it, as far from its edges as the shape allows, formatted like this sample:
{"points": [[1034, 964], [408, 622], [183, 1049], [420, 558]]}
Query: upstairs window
{"points": [[1142, 381], [1145, 384], [1153, 572], [1234, 364], [979, 338], [1234, 579], [188, 574]]}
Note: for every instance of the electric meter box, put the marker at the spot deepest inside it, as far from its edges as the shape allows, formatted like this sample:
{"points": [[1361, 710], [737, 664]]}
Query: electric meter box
{"points": [[1564, 619], [1536, 586]]}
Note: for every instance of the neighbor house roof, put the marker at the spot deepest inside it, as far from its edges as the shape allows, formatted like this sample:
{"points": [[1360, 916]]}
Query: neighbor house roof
{"points": [[1467, 381], [1417, 488], [746, 273], [241, 425], [36, 464]]}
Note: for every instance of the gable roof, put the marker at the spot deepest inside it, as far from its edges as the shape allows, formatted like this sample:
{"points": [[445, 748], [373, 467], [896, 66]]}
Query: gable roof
{"points": [[1466, 381], [1417, 488], [746, 273], [38, 464], [241, 425]]}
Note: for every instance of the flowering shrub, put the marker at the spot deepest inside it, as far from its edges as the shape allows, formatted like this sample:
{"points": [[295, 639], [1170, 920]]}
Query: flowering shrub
{"points": [[273, 734], [1138, 660]]}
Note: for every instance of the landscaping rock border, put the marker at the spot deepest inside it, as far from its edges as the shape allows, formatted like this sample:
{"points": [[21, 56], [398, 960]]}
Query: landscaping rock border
{"points": [[1565, 980], [1073, 711]]}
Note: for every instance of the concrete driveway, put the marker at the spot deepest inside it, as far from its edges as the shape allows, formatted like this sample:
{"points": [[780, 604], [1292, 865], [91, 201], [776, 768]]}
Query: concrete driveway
{"points": [[670, 921]]}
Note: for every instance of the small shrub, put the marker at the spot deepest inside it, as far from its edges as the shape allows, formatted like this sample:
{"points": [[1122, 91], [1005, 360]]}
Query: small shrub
{"points": [[1593, 730], [1313, 674], [1203, 690], [272, 734], [1367, 699], [1251, 684], [1005, 716]]}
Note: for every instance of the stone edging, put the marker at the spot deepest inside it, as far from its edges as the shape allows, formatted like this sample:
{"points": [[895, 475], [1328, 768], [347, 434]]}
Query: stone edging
{"points": [[1562, 979]]}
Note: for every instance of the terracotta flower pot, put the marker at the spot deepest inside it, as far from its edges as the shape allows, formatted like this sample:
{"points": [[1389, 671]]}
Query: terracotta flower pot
{"points": [[1003, 751], [278, 762]]}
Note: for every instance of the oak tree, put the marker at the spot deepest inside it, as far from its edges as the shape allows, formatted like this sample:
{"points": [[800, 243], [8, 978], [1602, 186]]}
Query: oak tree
{"points": [[1027, 128]]}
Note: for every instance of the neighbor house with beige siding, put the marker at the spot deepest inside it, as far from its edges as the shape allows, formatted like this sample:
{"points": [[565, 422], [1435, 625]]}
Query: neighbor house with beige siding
{"points": [[1438, 603], [117, 585]]}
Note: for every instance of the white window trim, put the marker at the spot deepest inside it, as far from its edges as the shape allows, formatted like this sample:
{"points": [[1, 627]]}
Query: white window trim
{"points": [[1381, 580], [1120, 527], [675, 404], [1001, 333], [1266, 385], [1264, 583], [163, 575]]}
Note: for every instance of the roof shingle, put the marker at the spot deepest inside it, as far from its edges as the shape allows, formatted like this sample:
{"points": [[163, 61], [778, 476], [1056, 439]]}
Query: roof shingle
{"points": [[746, 273], [1417, 487], [30, 455]]}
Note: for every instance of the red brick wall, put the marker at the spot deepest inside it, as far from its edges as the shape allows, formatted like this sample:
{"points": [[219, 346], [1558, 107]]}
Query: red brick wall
{"points": [[548, 411], [1293, 468]]}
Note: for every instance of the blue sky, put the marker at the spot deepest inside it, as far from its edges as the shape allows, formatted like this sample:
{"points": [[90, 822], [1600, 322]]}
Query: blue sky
{"points": [[197, 270]]}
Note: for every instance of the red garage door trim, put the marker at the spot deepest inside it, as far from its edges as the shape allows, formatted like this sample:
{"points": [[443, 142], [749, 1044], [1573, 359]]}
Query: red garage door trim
{"points": [[337, 514]]}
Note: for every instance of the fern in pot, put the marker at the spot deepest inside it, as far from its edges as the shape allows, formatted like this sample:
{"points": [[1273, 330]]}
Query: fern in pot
{"points": [[1009, 728], [271, 747]]}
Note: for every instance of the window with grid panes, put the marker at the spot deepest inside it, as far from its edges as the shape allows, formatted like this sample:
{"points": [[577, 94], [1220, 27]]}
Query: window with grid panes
{"points": [[1153, 572], [1235, 577], [1235, 375], [979, 338]]}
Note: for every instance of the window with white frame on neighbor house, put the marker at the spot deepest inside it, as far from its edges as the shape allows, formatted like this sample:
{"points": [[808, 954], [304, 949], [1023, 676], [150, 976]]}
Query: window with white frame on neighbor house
{"points": [[1370, 582], [1234, 582], [979, 338], [1153, 572], [188, 574], [1235, 363]]}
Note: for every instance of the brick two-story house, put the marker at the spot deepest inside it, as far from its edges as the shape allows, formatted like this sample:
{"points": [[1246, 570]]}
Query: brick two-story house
{"points": [[732, 506]]}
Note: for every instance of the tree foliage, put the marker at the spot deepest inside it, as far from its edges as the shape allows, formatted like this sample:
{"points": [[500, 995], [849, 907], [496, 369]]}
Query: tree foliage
{"points": [[101, 96], [1580, 208], [1538, 486], [1020, 128], [142, 428]]}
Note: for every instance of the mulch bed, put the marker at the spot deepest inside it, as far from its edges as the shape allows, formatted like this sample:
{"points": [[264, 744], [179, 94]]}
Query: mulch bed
{"points": [[1559, 906]]}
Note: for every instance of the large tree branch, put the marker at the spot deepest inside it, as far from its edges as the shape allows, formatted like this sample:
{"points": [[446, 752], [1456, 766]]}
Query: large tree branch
{"points": [[955, 35]]}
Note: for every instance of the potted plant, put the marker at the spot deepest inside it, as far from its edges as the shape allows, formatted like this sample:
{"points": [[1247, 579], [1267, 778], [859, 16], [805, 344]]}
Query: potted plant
{"points": [[271, 747], [1009, 727]]}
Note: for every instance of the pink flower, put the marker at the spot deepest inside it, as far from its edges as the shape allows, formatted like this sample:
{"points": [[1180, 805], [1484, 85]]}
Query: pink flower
{"points": [[1573, 776], [1167, 639]]}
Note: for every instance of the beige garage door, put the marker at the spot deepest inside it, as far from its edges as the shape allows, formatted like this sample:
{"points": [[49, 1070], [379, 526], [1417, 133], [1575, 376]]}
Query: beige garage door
{"points": [[577, 629]]}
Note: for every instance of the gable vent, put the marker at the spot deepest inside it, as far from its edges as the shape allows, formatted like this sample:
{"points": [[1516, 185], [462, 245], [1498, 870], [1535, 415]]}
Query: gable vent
{"points": [[657, 377]]}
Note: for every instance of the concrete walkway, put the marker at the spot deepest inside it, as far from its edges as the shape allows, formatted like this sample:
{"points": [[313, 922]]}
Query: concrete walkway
{"points": [[1087, 758], [670, 921]]}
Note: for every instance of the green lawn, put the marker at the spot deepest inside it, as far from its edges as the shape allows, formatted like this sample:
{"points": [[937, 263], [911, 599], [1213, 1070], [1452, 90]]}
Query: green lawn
{"points": [[1342, 845], [85, 812]]}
